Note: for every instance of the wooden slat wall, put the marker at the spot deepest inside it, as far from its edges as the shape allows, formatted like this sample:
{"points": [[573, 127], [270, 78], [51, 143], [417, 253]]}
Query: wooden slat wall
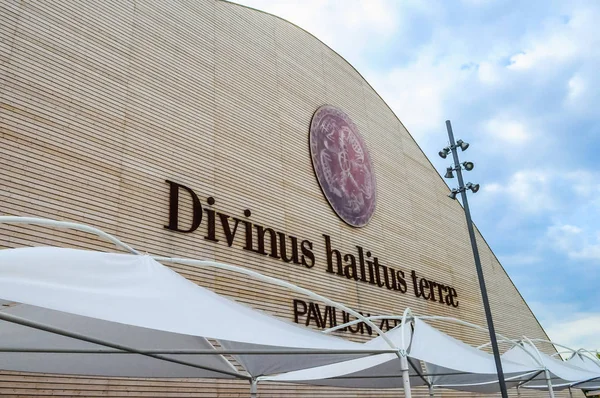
{"points": [[102, 101]]}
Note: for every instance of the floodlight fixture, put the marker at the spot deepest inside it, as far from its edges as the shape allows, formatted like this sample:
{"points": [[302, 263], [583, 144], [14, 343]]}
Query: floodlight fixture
{"points": [[463, 145], [468, 165], [449, 173], [444, 152], [472, 187], [453, 193]]}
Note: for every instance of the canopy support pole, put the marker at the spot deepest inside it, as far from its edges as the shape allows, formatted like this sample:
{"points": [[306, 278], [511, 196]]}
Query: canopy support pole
{"points": [[584, 381], [405, 375], [570, 393], [549, 382], [518, 391], [403, 356], [429, 380], [528, 380], [253, 388]]}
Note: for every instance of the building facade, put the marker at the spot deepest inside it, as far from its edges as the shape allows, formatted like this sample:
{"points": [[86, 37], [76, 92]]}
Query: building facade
{"points": [[183, 127]]}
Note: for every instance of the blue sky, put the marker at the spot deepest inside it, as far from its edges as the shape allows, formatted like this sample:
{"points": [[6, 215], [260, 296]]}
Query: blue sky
{"points": [[521, 83]]}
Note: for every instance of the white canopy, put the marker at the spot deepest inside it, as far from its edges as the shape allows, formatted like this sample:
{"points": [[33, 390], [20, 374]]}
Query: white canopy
{"points": [[447, 362], [586, 362], [589, 364], [134, 301], [377, 371], [562, 373], [451, 363], [82, 312]]}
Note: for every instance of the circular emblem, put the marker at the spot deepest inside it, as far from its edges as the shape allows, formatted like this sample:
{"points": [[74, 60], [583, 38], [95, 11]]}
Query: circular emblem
{"points": [[342, 165]]}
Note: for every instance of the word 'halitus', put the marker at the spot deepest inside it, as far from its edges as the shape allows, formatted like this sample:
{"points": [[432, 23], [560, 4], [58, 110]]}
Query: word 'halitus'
{"points": [[360, 266]]}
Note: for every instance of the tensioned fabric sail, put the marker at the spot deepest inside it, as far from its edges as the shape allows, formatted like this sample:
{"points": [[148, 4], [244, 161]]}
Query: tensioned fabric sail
{"points": [[377, 371], [14, 336], [135, 301], [589, 364], [453, 364], [562, 373], [450, 363], [585, 362]]}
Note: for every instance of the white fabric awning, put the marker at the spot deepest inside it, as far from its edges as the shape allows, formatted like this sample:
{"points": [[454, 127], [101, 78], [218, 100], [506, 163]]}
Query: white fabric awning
{"points": [[454, 364], [377, 371], [590, 365], [159, 324], [447, 362], [133, 300], [562, 373]]}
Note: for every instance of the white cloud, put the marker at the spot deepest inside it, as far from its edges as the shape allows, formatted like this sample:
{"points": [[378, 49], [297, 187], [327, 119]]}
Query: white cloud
{"points": [[576, 330], [584, 183], [575, 242], [418, 92], [508, 130], [477, 2], [565, 324], [576, 88], [559, 42], [489, 72], [588, 251], [537, 191], [570, 229], [548, 50], [579, 330], [492, 188], [530, 191], [582, 95]]}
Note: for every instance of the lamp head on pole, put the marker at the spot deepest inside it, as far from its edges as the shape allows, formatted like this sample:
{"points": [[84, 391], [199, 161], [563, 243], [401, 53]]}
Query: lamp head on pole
{"points": [[472, 187], [453, 193], [444, 152], [463, 145]]}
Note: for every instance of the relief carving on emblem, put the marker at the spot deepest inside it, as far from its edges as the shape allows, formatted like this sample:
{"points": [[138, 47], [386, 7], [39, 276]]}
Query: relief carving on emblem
{"points": [[342, 165]]}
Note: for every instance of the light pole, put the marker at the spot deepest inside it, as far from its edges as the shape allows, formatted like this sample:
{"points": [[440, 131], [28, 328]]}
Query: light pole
{"points": [[463, 191]]}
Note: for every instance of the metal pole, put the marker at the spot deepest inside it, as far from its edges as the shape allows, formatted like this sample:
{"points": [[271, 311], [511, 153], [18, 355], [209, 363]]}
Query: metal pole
{"points": [[405, 376], [549, 383], [570, 393], [253, 388], [431, 394], [484, 296]]}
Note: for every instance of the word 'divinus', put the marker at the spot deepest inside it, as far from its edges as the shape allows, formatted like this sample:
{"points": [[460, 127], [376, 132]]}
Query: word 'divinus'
{"points": [[280, 246]]}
